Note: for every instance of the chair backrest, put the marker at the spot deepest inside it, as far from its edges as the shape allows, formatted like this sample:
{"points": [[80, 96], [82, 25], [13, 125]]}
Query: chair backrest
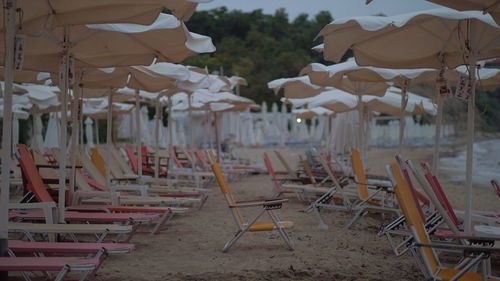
{"points": [[202, 158], [80, 181], [131, 157], [98, 161], [91, 169], [439, 192], [114, 168], [416, 194], [224, 187], [359, 174], [329, 170], [409, 209], [308, 170], [290, 171], [271, 172], [122, 163], [33, 180]]}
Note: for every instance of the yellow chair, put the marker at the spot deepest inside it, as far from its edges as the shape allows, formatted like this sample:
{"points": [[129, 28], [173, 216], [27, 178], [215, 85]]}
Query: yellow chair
{"points": [[267, 206], [378, 199], [423, 248]]}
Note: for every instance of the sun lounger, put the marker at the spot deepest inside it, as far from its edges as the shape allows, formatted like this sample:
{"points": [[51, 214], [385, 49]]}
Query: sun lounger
{"points": [[424, 250], [61, 265], [36, 185], [266, 206], [18, 246], [101, 230]]}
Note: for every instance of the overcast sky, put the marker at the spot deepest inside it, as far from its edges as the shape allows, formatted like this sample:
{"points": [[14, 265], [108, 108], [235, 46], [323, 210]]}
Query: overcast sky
{"points": [[338, 8]]}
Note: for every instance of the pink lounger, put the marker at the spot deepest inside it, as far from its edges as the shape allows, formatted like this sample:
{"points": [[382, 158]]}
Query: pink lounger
{"points": [[18, 246], [99, 217], [62, 265]]}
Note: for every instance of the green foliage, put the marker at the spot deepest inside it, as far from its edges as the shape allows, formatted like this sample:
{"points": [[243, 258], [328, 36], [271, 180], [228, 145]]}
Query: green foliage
{"points": [[257, 46]]}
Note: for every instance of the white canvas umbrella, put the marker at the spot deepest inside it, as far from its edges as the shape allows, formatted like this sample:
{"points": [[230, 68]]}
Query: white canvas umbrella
{"points": [[491, 7], [434, 38], [89, 133], [351, 73]]}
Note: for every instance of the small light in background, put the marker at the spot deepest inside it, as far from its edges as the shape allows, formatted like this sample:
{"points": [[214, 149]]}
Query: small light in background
{"points": [[299, 120]]}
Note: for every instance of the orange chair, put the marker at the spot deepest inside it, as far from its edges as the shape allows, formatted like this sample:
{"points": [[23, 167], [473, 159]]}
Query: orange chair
{"points": [[267, 206], [423, 248]]}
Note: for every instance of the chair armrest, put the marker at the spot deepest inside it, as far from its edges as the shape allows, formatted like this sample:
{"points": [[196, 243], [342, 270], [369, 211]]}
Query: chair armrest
{"points": [[471, 237], [261, 202], [458, 247], [53, 181], [57, 166]]}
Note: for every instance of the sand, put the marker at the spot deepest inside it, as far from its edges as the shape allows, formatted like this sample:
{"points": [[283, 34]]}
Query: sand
{"points": [[190, 249]]}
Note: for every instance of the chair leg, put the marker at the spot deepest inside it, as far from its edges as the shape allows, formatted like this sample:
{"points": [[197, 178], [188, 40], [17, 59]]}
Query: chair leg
{"points": [[281, 231], [233, 240], [322, 224], [163, 219], [356, 217]]}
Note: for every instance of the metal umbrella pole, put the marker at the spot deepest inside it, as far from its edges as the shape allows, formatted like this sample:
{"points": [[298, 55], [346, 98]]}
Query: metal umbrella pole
{"points": [[170, 132], [10, 16], [402, 121], [75, 118], [437, 138], [138, 133], [157, 136], [63, 128], [109, 140]]}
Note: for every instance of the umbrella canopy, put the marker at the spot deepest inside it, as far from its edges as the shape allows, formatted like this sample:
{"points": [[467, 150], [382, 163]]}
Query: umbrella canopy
{"points": [[390, 103], [39, 16], [26, 76], [491, 7], [296, 87], [417, 40], [110, 45], [334, 100], [313, 112]]}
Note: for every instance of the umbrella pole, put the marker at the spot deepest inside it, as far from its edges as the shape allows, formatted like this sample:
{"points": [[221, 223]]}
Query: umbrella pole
{"points": [[402, 121], [64, 125], [217, 139], [361, 127], [138, 133], [437, 137], [109, 132], [170, 132], [96, 121], [74, 137], [190, 123], [10, 16], [470, 146], [157, 136]]}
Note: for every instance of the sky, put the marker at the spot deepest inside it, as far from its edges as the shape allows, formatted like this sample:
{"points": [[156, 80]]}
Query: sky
{"points": [[338, 8]]}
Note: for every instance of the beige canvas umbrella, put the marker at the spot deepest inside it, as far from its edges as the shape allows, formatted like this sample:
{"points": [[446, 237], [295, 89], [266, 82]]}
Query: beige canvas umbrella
{"points": [[436, 38], [350, 74], [344, 83], [296, 87], [491, 7]]}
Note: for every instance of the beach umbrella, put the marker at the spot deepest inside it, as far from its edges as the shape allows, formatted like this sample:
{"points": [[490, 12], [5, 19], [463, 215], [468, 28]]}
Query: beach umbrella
{"points": [[349, 74], [491, 7], [295, 87], [309, 113], [356, 87], [439, 38]]}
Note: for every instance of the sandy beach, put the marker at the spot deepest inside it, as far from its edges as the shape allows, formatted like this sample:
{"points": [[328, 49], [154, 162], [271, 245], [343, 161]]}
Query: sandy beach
{"points": [[190, 249]]}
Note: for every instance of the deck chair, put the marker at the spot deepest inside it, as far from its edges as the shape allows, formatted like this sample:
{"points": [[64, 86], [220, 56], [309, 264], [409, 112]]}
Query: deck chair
{"points": [[35, 183], [267, 206], [277, 183], [379, 199], [291, 172], [61, 265], [19, 246], [424, 250], [484, 217], [496, 187], [143, 190]]}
